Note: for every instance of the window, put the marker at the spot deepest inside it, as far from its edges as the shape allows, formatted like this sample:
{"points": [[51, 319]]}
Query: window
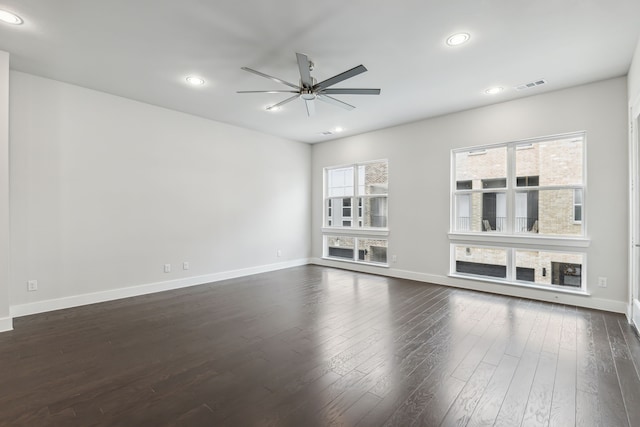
{"points": [[517, 195], [355, 212], [577, 205]]}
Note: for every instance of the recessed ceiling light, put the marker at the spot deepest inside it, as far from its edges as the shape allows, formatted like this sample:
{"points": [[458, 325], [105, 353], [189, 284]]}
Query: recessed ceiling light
{"points": [[10, 18], [273, 109], [195, 81], [493, 90], [338, 129], [458, 39]]}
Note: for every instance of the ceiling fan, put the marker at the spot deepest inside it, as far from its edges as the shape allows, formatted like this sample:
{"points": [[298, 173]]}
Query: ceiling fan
{"points": [[309, 90]]}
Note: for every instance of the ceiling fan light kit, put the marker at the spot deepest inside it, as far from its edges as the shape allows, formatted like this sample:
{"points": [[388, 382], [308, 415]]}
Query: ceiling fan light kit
{"points": [[309, 90]]}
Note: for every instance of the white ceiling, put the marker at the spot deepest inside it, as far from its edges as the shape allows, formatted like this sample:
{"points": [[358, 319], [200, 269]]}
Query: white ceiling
{"points": [[144, 49]]}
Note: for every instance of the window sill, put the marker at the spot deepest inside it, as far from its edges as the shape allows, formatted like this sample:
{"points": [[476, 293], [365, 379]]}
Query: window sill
{"points": [[370, 264], [552, 288], [521, 240], [356, 231]]}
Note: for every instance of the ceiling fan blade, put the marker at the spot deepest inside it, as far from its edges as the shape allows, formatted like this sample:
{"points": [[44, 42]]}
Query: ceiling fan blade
{"points": [[333, 101], [280, 104], [311, 107], [330, 91], [340, 77], [267, 91], [305, 73], [267, 76]]}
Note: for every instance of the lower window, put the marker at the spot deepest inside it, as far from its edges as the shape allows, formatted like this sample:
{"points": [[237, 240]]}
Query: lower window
{"points": [[551, 268], [358, 249]]}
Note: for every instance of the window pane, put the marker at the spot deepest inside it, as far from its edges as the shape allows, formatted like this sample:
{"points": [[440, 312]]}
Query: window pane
{"points": [[481, 212], [463, 213], [494, 211], [373, 178], [550, 268], [372, 250], [577, 194], [494, 183], [481, 165], [340, 247], [546, 212], [340, 182], [556, 162], [527, 181], [491, 262], [577, 205], [339, 212], [464, 185], [374, 211]]}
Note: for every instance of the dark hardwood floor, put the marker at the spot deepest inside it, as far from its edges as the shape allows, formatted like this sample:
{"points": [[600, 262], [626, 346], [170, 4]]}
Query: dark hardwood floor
{"points": [[313, 346]]}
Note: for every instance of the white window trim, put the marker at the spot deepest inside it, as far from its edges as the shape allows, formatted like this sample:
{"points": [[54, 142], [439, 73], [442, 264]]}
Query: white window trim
{"points": [[510, 239]]}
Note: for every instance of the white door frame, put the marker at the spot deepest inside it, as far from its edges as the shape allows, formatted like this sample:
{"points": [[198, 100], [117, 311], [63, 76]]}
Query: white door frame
{"points": [[634, 216]]}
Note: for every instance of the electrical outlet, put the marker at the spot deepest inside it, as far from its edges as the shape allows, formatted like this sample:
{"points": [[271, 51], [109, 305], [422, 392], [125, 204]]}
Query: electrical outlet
{"points": [[185, 265], [602, 282], [167, 268], [394, 258], [279, 253], [32, 285]]}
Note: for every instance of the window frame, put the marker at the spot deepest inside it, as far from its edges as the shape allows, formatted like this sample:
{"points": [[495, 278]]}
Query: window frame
{"points": [[510, 239], [357, 207]]}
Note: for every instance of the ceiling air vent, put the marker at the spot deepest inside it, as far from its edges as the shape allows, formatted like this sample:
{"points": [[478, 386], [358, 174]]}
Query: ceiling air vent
{"points": [[531, 84], [327, 133]]}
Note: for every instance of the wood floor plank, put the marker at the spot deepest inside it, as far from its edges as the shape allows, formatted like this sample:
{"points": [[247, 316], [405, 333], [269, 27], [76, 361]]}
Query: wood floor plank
{"points": [[491, 400], [563, 406], [612, 409], [625, 368], [514, 404], [460, 411], [538, 409]]}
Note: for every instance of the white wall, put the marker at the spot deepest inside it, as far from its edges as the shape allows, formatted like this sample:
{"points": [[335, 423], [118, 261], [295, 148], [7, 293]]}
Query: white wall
{"points": [[419, 171], [634, 76], [5, 320], [106, 190]]}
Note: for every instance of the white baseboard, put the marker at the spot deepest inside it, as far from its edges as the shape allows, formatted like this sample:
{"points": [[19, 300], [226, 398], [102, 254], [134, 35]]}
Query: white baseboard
{"points": [[635, 317], [585, 301], [6, 324], [149, 288]]}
